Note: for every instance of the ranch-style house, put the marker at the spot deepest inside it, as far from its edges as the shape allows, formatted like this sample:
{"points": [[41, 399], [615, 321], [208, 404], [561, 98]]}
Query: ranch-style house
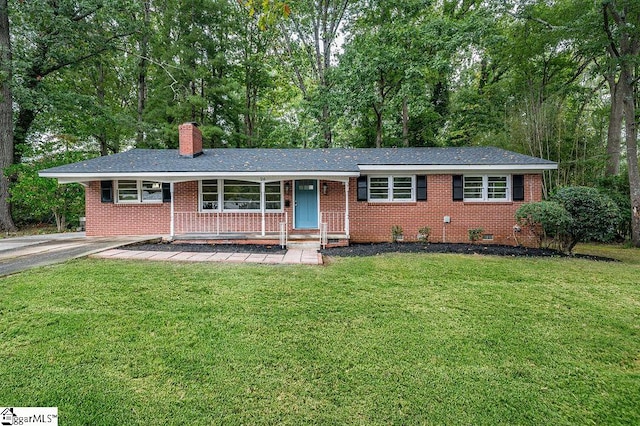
{"points": [[333, 196]]}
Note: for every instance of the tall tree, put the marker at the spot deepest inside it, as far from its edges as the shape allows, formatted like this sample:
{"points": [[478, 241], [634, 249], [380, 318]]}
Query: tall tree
{"points": [[624, 48], [143, 47], [54, 35], [6, 117], [310, 35]]}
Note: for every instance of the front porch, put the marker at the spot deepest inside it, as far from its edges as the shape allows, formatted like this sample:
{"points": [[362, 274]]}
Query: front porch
{"points": [[259, 228]]}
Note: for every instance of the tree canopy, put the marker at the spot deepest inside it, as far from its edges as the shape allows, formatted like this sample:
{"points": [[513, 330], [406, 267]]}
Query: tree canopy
{"points": [[551, 79]]}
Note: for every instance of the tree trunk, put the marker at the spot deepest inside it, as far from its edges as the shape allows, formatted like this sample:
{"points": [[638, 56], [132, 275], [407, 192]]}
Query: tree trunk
{"points": [[378, 113], [100, 95], [142, 73], [6, 118], [250, 113], [405, 122], [614, 133], [631, 136], [627, 19], [326, 126]]}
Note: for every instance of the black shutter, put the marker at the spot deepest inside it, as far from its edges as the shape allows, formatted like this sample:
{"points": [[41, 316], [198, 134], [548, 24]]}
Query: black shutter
{"points": [[362, 188], [458, 191], [106, 191], [166, 192], [517, 187], [421, 188]]}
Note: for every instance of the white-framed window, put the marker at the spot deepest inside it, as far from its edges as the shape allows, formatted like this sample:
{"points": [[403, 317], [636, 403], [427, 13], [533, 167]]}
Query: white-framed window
{"points": [[238, 195], [209, 200], [273, 196], [487, 188], [391, 188], [138, 191]]}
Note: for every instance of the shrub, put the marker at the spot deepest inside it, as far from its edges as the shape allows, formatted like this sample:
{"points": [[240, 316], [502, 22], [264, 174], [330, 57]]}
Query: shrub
{"points": [[594, 216], [424, 233], [37, 199], [617, 187], [396, 233], [475, 234], [546, 220]]}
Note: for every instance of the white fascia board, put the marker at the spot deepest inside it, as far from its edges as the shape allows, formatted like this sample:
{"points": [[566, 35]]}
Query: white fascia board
{"points": [[465, 168], [189, 176]]}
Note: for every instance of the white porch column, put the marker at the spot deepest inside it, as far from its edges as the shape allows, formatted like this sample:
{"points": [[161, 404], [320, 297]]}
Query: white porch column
{"points": [[263, 203], [173, 225], [346, 208]]}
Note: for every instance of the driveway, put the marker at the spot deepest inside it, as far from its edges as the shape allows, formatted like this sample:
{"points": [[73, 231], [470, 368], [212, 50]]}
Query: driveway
{"points": [[22, 253]]}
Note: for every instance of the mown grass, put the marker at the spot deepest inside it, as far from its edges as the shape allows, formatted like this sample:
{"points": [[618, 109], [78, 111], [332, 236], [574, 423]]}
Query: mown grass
{"points": [[395, 339]]}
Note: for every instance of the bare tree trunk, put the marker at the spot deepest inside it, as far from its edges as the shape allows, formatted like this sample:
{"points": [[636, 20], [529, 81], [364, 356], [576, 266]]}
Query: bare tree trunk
{"points": [[405, 122], [6, 118]]}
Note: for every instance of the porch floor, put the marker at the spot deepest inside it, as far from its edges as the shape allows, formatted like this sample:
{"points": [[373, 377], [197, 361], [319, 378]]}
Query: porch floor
{"points": [[257, 236], [299, 241]]}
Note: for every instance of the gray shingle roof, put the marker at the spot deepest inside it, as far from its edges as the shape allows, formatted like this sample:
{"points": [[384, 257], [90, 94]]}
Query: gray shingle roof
{"points": [[294, 160]]}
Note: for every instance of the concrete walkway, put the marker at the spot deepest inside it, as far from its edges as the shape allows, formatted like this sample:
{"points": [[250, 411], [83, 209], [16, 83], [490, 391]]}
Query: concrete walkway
{"points": [[22, 253], [291, 257]]}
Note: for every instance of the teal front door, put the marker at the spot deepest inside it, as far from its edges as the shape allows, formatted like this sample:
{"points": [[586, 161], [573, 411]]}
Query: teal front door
{"points": [[306, 204]]}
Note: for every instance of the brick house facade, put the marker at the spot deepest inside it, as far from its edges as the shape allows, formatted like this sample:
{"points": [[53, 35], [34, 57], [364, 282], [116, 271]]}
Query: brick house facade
{"points": [[347, 195]]}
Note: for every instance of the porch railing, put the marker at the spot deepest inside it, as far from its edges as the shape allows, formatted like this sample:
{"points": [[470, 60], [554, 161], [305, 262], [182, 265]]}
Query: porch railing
{"points": [[335, 222], [217, 223]]}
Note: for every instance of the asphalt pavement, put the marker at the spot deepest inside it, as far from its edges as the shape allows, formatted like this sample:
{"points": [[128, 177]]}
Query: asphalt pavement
{"points": [[21, 253]]}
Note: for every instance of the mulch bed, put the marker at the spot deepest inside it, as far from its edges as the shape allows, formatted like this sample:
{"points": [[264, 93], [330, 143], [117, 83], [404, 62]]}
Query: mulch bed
{"points": [[493, 249], [368, 249], [208, 248]]}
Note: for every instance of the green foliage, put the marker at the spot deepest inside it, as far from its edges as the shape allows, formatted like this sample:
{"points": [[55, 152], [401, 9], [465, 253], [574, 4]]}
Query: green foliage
{"points": [[396, 233], [36, 199], [424, 233], [546, 220], [617, 187], [475, 234], [594, 215]]}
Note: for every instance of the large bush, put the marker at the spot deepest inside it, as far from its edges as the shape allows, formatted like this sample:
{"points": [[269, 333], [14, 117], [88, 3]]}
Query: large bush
{"points": [[617, 187], [35, 199], [574, 214], [546, 220], [594, 215]]}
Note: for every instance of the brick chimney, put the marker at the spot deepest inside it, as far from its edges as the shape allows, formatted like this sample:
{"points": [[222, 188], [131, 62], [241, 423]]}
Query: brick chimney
{"points": [[190, 140]]}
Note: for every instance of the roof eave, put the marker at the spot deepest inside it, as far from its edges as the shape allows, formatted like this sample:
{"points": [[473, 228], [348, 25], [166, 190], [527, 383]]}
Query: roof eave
{"points": [[70, 177], [457, 168]]}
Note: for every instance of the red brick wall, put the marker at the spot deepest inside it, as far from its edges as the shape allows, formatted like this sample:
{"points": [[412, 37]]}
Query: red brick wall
{"points": [[372, 222], [369, 222], [136, 219], [124, 219]]}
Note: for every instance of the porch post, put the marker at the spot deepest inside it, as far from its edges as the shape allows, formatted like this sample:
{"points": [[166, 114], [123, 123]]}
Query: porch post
{"points": [[173, 226], [346, 208], [263, 202]]}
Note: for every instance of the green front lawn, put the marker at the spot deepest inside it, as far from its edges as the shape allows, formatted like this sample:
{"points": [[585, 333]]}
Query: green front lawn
{"points": [[403, 339]]}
